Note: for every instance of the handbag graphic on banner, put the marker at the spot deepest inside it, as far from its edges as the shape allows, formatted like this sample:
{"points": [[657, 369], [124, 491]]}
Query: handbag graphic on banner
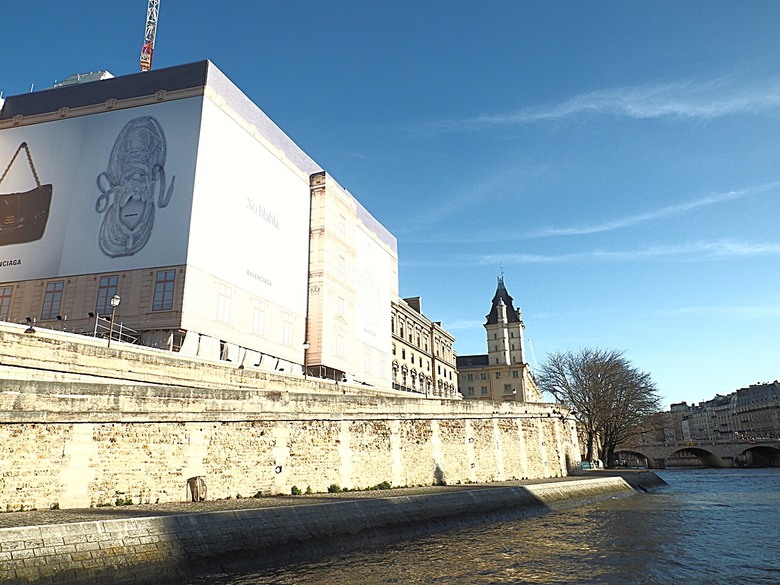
{"points": [[23, 215], [136, 171]]}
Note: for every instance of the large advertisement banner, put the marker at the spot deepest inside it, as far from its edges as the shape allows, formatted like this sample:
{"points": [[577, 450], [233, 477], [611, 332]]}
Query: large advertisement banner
{"points": [[250, 215], [98, 193]]}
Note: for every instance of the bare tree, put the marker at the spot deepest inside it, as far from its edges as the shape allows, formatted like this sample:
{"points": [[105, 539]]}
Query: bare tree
{"points": [[609, 397]]}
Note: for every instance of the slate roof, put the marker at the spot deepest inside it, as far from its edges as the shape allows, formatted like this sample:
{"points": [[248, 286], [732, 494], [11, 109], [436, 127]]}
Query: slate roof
{"points": [[502, 295], [471, 361], [200, 74]]}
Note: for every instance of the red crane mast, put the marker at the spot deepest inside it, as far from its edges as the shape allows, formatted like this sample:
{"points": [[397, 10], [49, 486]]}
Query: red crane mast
{"points": [[150, 32]]}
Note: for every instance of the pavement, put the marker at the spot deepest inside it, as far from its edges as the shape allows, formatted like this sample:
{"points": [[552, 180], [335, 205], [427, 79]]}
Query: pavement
{"points": [[72, 515]]}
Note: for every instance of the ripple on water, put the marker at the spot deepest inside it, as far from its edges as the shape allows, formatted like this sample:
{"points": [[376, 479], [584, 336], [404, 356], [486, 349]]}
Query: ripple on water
{"points": [[713, 527]]}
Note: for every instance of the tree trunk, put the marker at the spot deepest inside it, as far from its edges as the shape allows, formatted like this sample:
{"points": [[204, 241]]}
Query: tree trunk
{"points": [[589, 450]]}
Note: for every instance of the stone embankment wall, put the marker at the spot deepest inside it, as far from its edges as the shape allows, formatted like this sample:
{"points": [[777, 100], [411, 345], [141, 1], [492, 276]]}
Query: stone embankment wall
{"points": [[84, 425], [168, 549]]}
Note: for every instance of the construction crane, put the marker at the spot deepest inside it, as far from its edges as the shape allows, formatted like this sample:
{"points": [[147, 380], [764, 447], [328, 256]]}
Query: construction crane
{"points": [[147, 51]]}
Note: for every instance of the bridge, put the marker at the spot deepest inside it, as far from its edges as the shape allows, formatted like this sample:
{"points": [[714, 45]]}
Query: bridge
{"points": [[753, 453]]}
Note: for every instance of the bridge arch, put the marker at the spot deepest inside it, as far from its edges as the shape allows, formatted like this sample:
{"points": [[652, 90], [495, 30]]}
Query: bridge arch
{"points": [[632, 458], [653, 459], [758, 456], [707, 458]]}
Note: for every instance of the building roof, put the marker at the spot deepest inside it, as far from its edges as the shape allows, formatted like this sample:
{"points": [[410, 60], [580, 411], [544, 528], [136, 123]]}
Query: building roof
{"points": [[502, 295], [77, 78], [199, 76], [472, 361]]}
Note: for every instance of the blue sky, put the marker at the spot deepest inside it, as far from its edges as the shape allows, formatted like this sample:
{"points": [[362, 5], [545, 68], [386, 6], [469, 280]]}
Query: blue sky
{"points": [[620, 160]]}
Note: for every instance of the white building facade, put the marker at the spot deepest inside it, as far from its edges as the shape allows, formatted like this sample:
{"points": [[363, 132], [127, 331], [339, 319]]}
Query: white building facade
{"points": [[173, 191]]}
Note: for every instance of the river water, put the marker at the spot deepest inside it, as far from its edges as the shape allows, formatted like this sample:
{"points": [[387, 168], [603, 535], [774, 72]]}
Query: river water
{"points": [[709, 526]]}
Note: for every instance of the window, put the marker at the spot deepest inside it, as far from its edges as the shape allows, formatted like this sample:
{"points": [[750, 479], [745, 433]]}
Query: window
{"points": [[411, 357], [342, 267], [471, 391], [483, 376], [403, 353], [258, 318], [469, 377], [163, 290], [342, 226], [224, 299], [106, 290], [495, 348], [340, 335], [287, 329], [5, 302], [340, 306], [394, 349], [52, 299], [515, 374], [484, 390], [498, 375]]}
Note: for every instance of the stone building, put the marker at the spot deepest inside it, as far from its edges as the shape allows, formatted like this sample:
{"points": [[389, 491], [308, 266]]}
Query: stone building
{"points": [[757, 411], [423, 356], [173, 194], [502, 374], [748, 413]]}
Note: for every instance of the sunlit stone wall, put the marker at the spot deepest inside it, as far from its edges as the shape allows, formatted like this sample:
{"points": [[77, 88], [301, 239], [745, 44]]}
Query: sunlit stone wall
{"points": [[85, 434]]}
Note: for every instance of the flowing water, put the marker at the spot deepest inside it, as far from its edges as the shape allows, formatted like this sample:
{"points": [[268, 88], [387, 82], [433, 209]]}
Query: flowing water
{"points": [[709, 526]]}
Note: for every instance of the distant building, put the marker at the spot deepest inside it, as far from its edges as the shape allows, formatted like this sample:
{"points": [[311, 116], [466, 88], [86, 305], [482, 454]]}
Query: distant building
{"points": [[678, 412], [423, 355], [749, 413], [757, 411], [502, 374]]}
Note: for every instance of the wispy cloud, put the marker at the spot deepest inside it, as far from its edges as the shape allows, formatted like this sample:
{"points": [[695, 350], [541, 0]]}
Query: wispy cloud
{"points": [[685, 252], [700, 250], [740, 313], [607, 225], [690, 100], [668, 211]]}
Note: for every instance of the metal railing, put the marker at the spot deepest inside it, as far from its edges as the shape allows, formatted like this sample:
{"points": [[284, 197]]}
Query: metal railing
{"points": [[119, 332]]}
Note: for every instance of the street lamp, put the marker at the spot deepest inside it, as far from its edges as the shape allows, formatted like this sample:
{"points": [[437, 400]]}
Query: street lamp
{"points": [[114, 301], [306, 346]]}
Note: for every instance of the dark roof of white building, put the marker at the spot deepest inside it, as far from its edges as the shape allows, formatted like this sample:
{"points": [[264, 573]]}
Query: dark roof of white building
{"points": [[502, 295], [199, 75]]}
